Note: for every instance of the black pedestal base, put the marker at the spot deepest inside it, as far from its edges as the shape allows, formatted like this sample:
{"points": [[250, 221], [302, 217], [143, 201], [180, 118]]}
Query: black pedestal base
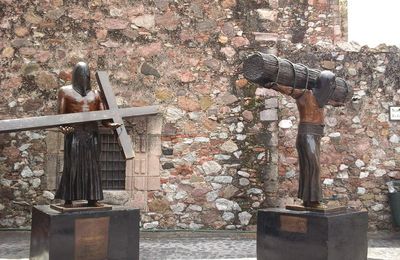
{"points": [[85, 235], [287, 235]]}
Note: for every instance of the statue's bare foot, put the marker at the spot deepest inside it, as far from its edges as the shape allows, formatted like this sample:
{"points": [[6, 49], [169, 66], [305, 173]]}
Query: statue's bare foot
{"points": [[314, 204], [68, 204], [94, 203]]}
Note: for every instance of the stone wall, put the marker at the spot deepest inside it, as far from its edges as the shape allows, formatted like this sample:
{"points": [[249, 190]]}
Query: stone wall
{"points": [[227, 149]]}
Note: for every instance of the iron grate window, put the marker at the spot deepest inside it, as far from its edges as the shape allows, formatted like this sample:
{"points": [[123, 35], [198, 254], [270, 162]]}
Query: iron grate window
{"points": [[112, 162]]}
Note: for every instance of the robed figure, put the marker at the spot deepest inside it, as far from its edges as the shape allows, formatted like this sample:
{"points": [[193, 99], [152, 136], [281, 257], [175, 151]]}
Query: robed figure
{"points": [[81, 178]]}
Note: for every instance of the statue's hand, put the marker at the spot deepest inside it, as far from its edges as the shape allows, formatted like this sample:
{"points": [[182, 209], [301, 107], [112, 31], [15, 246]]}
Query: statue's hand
{"points": [[271, 85], [67, 129]]}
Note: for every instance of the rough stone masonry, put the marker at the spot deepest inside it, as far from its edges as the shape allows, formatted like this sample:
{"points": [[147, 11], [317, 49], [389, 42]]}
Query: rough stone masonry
{"points": [[228, 147]]}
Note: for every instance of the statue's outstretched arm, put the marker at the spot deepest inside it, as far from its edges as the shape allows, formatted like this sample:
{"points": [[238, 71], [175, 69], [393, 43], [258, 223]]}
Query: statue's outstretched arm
{"points": [[286, 90]]}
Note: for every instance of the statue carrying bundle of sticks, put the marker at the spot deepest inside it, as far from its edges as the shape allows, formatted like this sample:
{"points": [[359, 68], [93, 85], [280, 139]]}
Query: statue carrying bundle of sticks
{"points": [[312, 89]]}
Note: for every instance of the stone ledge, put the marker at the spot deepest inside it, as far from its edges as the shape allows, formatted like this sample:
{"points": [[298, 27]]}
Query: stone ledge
{"points": [[116, 197]]}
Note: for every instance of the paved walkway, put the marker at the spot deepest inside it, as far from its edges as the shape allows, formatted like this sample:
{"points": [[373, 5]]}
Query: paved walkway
{"points": [[199, 245]]}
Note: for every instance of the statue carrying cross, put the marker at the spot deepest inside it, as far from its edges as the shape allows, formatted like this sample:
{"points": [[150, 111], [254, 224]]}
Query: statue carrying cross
{"points": [[80, 109]]}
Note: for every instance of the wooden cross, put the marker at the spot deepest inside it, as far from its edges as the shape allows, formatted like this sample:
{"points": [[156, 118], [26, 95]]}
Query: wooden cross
{"points": [[114, 113]]}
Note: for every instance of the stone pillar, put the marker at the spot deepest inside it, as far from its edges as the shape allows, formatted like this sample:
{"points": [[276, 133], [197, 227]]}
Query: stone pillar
{"points": [[270, 173], [54, 158], [143, 171]]}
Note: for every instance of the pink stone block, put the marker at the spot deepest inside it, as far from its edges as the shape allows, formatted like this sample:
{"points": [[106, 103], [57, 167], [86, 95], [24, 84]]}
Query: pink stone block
{"points": [[154, 145], [266, 37], [269, 115], [154, 125], [129, 168], [129, 183], [274, 4], [337, 30], [139, 200], [140, 183], [153, 165], [265, 92], [153, 183], [139, 165]]}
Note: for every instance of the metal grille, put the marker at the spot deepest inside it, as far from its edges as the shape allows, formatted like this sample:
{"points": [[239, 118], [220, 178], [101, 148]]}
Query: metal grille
{"points": [[112, 162]]}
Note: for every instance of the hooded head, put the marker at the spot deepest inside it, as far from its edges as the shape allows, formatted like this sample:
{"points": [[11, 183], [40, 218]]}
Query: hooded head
{"points": [[325, 87], [81, 78]]}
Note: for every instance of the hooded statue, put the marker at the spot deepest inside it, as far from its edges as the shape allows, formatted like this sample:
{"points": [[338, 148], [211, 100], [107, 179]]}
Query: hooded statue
{"points": [[81, 178], [81, 79]]}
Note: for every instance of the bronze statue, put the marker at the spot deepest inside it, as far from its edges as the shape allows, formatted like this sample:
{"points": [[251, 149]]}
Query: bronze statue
{"points": [[312, 90], [81, 179], [311, 128], [74, 102]]}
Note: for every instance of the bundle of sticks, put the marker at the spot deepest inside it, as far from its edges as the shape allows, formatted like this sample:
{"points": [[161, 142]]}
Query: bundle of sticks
{"points": [[264, 68]]}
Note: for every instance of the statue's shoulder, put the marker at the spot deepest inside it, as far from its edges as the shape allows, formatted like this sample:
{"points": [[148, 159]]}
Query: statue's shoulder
{"points": [[97, 93], [66, 88], [67, 91]]}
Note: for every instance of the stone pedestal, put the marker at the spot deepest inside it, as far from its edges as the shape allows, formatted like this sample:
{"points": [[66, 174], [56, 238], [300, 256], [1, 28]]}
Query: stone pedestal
{"points": [[85, 235], [286, 235]]}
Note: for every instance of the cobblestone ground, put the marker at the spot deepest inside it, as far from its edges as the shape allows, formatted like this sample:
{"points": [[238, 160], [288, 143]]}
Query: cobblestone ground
{"points": [[199, 246], [188, 245]]}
